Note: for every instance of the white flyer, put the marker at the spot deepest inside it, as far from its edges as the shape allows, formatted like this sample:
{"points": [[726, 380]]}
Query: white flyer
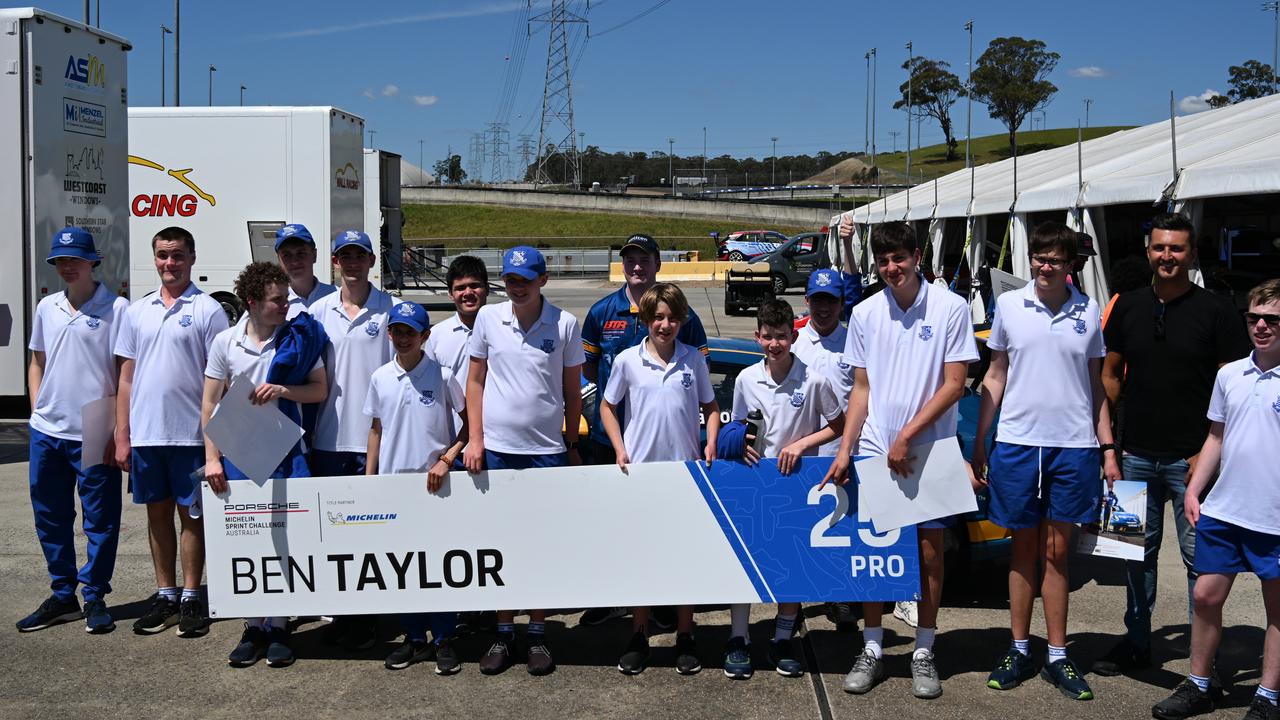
{"points": [[937, 487], [97, 425], [254, 437]]}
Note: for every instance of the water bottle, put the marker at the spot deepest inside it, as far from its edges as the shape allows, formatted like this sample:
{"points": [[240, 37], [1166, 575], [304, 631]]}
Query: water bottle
{"points": [[756, 427]]}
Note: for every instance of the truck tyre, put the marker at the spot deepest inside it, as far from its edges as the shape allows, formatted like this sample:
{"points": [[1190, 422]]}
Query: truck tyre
{"points": [[737, 256], [779, 285], [230, 305]]}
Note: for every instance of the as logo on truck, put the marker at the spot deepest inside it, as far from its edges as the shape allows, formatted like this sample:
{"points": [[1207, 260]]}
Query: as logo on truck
{"points": [[86, 71], [161, 204]]}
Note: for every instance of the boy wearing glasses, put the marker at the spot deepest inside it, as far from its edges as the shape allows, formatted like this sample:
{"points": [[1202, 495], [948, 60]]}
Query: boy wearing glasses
{"points": [[1173, 334], [1055, 430], [1237, 528]]}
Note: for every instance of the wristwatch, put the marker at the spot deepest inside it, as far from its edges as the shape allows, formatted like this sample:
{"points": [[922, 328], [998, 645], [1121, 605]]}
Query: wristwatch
{"points": [[1108, 446]]}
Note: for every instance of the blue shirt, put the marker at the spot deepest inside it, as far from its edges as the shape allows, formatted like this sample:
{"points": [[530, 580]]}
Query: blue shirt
{"points": [[613, 325]]}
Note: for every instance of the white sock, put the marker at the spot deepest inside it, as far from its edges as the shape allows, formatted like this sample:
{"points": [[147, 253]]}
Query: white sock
{"points": [[168, 593], [924, 641], [1023, 646], [874, 638], [783, 627], [1057, 653], [188, 593], [739, 616]]}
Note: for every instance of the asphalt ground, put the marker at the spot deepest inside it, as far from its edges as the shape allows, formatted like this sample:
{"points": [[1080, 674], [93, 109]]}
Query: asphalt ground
{"points": [[62, 672]]}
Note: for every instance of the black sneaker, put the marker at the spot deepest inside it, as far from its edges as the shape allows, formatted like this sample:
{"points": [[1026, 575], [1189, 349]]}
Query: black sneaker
{"points": [[737, 659], [97, 619], [843, 615], [51, 612], [1262, 709], [600, 616], [279, 654], [193, 620], [361, 633], [636, 657], [1124, 657], [783, 658], [1064, 675], [1014, 669], [408, 653], [498, 657], [162, 614], [252, 646], [663, 618], [334, 630], [687, 662], [470, 623], [447, 662], [1187, 700], [539, 660]]}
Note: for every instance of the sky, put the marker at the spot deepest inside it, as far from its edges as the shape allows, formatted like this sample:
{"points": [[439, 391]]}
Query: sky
{"points": [[427, 75]]}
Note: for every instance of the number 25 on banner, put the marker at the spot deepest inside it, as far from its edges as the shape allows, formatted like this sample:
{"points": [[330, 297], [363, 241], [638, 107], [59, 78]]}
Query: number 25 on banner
{"points": [[819, 537]]}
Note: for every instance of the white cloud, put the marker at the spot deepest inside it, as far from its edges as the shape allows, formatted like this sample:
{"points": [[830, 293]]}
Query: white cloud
{"points": [[1088, 71], [1196, 103], [368, 92], [390, 91], [424, 100], [476, 10]]}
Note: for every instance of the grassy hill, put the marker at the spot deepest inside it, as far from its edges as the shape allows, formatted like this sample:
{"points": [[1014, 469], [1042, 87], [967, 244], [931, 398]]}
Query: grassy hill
{"points": [[990, 148]]}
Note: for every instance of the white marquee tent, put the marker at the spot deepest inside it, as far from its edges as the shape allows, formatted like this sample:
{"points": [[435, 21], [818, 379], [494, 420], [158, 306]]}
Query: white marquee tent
{"points": [[1233, 150]]}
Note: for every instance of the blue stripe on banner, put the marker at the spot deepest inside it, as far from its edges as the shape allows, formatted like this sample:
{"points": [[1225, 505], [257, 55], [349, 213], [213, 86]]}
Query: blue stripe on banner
{"points": [[730, 532]]}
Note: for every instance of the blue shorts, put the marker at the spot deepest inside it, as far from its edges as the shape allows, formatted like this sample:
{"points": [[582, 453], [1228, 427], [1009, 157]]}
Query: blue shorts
{"points": [[330, 463], [1029, 484], [513, 461], [941, 523], [1227, 549], [164, 472]]}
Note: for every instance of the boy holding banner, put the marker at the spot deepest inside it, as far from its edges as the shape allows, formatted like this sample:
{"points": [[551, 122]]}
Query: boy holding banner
{"points": [[665, 388], [801, 412], [522, 389], [910, 346], [283, 359], [412, 401]]}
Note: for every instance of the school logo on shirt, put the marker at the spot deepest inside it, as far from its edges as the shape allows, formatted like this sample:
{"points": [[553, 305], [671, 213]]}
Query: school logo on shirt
{"points": [[517, 257], [427, 397], [185, 321], [926, 332], [686, 380], [548, 346], [1276, 405], [842, 364], [797, 399], [1080, 326], [371, 329], [93, 322]]}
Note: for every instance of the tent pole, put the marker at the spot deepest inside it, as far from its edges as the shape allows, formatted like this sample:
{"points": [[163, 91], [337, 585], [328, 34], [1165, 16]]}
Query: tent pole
{"points": [[1173, 140]]}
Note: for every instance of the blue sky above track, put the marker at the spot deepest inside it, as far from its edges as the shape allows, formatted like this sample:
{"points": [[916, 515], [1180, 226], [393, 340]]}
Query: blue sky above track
{"points": [[746, 69]]}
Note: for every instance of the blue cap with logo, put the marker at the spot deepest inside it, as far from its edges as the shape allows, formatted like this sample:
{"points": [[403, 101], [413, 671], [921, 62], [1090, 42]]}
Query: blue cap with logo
{"points": [[73, 242], [294, 231], [352, 237], [524, 261], [411, 314], [825, 281]]}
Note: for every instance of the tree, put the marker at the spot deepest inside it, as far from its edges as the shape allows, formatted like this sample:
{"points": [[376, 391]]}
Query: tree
{"points": [[449, 171], [1009, 78], [1248, 81], [1217, 101], [934, 89]]}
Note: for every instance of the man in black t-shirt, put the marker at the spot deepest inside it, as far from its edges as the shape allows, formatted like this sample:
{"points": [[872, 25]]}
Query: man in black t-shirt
{"points": [[1165, 344]]}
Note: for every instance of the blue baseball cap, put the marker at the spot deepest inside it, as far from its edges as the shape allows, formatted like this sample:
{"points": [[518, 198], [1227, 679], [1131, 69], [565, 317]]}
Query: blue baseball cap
{"points": [[411, 314], [524, 261], [294, 231], [825, 281], [352, 237], [73, 242]]}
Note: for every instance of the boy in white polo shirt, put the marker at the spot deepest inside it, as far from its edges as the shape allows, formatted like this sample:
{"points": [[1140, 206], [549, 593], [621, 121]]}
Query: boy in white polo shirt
{"points": [[801, 413], [72, 334], [355, 319], [1237, 525], [1054, 433], [468, 281], [163, 347], [910, 346], [665, 388], [821, 341], [296, 251], [412, 401], [522, 388], [249, 350]]}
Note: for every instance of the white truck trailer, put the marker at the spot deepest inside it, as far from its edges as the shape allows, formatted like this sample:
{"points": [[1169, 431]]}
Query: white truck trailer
{"points": [[232, 176], [63, 148]]}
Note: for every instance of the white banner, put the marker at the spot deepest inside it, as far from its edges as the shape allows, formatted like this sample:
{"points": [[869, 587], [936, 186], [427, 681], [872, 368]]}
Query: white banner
{"points": [[664, 534]]}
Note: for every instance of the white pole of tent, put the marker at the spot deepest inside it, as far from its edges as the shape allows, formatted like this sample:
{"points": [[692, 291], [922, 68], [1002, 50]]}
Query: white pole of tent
{"points": [[1173, 146], [1079, 162]]}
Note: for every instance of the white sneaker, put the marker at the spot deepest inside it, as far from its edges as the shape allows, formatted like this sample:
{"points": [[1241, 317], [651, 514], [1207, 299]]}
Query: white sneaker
{"points": [[905, 611]]}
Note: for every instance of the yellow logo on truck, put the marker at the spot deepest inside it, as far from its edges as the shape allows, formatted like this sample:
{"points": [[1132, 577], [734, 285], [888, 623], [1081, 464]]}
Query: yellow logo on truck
{"points": [[347, 177], [169, 205]]}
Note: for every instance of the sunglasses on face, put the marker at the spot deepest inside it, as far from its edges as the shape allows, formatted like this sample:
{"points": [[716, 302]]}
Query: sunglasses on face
{"points": [[1272, 321]]}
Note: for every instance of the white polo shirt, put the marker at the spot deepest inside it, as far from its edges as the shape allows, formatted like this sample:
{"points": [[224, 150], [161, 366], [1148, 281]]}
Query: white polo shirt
{"points": [[825, 356], [448, 346], [233, 354], [357, 347], [297, 303], [662, 409], [524, 388], [416, 409], [79, 365], [1048, 396], [904, 352], [800, 406], [1247, 401], [169, 347]]}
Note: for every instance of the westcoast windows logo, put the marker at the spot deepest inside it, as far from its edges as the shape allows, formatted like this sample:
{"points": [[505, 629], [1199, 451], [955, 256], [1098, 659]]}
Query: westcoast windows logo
{"points": [[346, 518]]}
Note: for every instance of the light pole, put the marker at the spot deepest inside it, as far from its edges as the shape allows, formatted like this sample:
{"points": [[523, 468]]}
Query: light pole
{"points": [[873, 115], [163, 87], [866, 101], [422, 171], [704, 156], [582, 146], [968, 128], [177, 53], [242, 89], [773, 175], [670, 173], [371, 134], [1274, 7], [1087, 103], [894, 134], [910, 72], [212, 70]]}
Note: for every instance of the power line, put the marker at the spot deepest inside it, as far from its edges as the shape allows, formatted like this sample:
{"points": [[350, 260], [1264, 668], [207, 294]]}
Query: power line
{"points": [[625, 23]]}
